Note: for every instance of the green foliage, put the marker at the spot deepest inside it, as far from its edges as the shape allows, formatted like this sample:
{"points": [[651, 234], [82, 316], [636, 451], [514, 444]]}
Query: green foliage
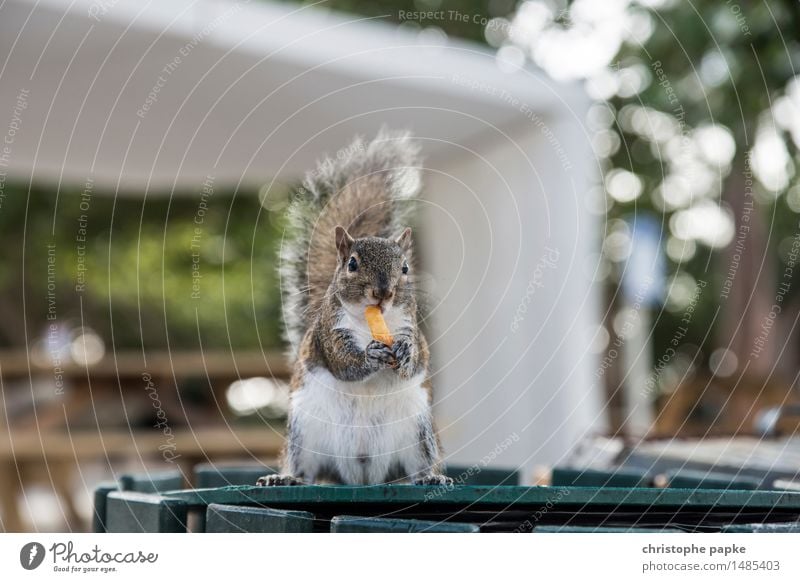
{"points": [[760, 46], [132, 279]]}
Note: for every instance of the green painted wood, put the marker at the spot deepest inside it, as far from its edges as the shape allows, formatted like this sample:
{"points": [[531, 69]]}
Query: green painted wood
{"points": [[601, 529], [238, 519], [354, 524], [151, 482], [99, 502], [209, 475], [132, 512], [793, 527], [614, 477], [689, 479], [494, 508], [483, 496], [139, 482], [665, 462], [477, 475]]}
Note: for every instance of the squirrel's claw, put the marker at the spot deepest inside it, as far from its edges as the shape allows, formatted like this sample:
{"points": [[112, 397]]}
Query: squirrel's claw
{"points": [[379, 353], [404, 353], [278, 481], [432, 479]]}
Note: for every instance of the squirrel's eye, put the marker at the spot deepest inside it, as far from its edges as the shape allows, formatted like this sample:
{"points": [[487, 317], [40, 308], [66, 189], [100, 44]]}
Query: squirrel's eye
{"points": [[352, 264], [405, 268]]}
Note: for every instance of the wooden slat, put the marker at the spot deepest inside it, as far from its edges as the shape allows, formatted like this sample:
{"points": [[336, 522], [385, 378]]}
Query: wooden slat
{"points": [[600, 529], [793, 527], [354, 524], [154, 482], [129, 512], [612, 477], [181, 364], [483, 496], [100, 499], [503, 508], [686, 479], [739, 453], [30, 445], [237, 519]]}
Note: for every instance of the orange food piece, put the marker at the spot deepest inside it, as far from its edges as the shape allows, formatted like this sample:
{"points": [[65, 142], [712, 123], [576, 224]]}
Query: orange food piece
{"points": [[377, 325]]}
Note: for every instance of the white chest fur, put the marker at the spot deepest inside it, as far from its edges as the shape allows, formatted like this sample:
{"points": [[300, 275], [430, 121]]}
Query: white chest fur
{"points": [[363, 430]]}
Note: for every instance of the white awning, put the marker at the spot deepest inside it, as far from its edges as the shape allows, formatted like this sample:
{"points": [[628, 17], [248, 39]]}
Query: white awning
{"points": [[163, 94]]}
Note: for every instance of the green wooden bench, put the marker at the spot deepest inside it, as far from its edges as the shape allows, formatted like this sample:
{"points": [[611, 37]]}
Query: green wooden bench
{"points": [[132, 512], [138, 482], [101, 492], [208, 476], [613, 477], [151, 482], [676, 477], [580, 500], [792, 527], [486, 508], [237, 519], [586, 529], [765, 472], [690, 479], [357, 524]]}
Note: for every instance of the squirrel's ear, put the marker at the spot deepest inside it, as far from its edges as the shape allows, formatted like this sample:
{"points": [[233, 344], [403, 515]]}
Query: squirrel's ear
{"points": [[344, 242], [404, 240]]}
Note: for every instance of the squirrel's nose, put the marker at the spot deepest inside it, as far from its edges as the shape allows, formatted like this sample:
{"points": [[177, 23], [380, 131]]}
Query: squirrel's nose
{"points": [[382, 293]]}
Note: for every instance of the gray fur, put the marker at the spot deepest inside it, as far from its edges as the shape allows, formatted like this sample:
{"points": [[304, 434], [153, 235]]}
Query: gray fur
{"points": [[391, 163]]}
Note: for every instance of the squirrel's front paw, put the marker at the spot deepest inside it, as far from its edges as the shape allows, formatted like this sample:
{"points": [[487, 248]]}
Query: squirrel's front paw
{"points": [[432, 479], [278, 480], [404, 352], [379, 354]]}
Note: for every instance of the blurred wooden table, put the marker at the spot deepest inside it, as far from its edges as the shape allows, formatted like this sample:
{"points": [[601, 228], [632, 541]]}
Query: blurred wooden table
{"points": [[214, 363], [60, 454], [48, 447]]}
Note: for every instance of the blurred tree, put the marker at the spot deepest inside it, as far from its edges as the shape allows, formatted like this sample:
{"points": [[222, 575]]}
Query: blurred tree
{"points": [[147, 273], [697, 122]]}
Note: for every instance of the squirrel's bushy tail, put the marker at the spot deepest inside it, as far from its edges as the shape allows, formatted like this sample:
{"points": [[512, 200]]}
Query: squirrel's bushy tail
{"points": [[363, 189]]}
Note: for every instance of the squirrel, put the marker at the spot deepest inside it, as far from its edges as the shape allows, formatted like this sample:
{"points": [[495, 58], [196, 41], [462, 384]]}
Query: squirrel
{"points": [[359, 410]]}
